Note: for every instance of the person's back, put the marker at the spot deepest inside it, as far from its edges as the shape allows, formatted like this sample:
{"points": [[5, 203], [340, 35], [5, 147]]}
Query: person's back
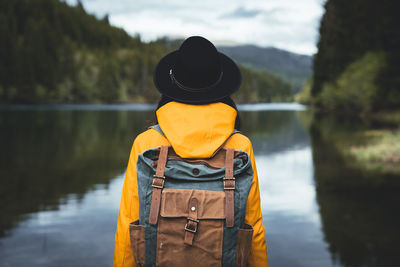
{"points": [[196, 132]]}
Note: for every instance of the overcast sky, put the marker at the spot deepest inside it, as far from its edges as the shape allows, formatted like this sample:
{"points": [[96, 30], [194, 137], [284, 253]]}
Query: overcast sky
{"points": [[287, 24]]}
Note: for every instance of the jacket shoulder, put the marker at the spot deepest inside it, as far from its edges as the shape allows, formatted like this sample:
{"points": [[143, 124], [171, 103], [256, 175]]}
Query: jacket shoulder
{"points": [[146, 135], [150, 138], [239, 141]]}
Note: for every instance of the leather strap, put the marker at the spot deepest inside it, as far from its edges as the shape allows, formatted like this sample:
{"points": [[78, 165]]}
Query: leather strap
{"points": [[192, 223], [229, 188], [158, 185]]}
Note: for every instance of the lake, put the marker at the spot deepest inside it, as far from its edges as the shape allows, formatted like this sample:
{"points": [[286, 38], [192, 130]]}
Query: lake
{"points": [[62, 170]]}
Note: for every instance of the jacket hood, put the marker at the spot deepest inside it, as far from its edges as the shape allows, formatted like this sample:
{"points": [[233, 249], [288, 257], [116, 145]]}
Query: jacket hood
{"points": [[196, 131]]}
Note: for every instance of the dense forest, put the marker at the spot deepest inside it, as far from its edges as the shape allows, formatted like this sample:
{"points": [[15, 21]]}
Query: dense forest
{"points": [[357, 64], [55, 53]]}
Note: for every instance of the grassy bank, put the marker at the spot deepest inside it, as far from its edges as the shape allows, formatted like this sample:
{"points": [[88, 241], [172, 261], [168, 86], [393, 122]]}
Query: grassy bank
{"points": [[381, 151], [373, 147]]}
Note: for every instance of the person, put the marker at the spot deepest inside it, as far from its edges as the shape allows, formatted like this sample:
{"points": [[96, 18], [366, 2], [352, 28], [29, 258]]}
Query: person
{"points": [[196, 116]]}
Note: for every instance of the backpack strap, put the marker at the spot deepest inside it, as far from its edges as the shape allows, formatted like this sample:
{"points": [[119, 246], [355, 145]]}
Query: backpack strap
{"points": [[192, 222], [229, 188], [158, 185]]}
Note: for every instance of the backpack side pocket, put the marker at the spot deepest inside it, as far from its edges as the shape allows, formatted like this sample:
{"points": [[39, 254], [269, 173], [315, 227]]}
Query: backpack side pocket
{"points": [[138, 244], [243, 246]]}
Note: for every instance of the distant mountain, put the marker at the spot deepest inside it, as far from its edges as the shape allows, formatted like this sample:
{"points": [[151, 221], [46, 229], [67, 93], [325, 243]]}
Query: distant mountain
{"points": [[293, 68]]}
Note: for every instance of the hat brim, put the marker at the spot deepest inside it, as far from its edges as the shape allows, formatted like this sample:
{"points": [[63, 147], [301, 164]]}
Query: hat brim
{"points": [[229, 83]]}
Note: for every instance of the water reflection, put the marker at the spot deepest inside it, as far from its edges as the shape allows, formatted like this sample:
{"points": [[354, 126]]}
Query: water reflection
{"points": [[79, 233], [290, 211], [359, 209], [274, 131], [47, 155]]}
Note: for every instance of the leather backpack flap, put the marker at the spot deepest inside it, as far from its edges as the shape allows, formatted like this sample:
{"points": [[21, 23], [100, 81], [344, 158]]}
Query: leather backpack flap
{"points": [[190, 227]]}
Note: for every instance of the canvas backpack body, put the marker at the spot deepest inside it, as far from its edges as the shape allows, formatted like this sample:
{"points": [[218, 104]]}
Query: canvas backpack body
{"points": [[192, 211]]}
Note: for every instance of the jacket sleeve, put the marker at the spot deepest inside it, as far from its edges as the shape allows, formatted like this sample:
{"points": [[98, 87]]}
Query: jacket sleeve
{"points": [[258, 254], [128, 212]]}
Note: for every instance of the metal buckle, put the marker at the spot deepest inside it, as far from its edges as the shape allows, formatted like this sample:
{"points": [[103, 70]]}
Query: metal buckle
{"points": [[191, 230], [229, 188], [158, 177]]}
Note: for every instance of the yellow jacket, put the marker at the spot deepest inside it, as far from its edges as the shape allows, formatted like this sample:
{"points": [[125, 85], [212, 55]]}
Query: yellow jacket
{"points": [[194, 131]]}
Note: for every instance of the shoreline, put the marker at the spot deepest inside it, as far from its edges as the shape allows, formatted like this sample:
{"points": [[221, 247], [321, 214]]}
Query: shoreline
{"points": [[262, 106]]}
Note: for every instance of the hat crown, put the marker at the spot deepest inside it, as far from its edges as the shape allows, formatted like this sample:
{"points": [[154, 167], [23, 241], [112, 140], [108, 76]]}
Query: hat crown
{"points": [[198, 64]]}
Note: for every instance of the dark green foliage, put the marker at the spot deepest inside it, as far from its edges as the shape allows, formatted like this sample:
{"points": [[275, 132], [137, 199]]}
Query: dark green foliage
{"points": [[258, 86], [355, 89], [40, 44], [53, 53], [351, 29]]}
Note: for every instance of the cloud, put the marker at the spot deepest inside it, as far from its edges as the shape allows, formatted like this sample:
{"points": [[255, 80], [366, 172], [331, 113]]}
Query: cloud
{"points": [[286, 24], [242, 12]]}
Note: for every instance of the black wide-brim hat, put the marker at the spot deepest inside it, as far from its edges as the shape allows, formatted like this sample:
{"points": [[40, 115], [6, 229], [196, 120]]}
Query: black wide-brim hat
{"points": [[197, 73]]}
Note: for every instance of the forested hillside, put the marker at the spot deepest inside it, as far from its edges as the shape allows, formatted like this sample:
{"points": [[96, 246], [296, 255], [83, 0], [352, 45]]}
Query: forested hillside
{"points": [[54, 53], [358, 61], [292, 68]]}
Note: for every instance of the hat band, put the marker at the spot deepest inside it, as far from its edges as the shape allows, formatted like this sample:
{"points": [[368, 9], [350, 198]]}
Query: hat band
{"points": [[191, 89]]}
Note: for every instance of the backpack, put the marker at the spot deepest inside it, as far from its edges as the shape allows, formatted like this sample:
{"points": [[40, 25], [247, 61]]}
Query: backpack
{"points": [[192, 210]]}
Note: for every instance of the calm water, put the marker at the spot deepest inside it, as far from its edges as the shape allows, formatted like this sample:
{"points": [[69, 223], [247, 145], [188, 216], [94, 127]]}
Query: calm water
{"points": [[62, 169]]}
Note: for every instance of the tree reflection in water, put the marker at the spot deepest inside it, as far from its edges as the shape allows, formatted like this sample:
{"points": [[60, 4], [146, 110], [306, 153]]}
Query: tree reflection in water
{"points": [[359, 209], [46, 155]]}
